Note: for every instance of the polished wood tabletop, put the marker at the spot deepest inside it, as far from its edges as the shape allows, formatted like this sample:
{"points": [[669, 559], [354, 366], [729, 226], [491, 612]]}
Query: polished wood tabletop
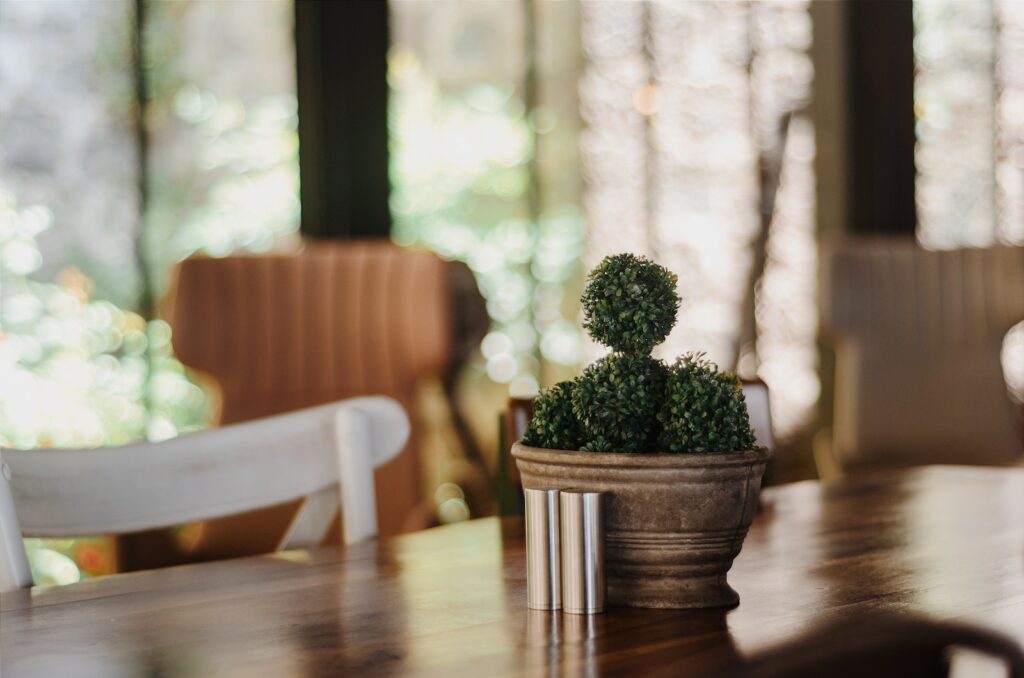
{"points": [[943, 542]]}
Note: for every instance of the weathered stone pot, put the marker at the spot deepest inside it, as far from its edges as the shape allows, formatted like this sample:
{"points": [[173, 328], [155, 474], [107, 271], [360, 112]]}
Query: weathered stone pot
{"points": [[673, 522]]}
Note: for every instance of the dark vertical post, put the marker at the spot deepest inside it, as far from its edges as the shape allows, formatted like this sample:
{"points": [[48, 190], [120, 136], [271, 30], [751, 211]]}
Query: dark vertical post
{"points": [[650, 149], [880, 116], [535, 187], [147, 302], [863, 111], [341, 59]]}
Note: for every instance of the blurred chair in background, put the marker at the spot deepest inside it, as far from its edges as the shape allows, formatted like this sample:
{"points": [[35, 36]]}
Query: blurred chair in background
{"points": [[512, 423], [322, 458], [889, 645], [755, 392], [918, 336], [335, 320]]}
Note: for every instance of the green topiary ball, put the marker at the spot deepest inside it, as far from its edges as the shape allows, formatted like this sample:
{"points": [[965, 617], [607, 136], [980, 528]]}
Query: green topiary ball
{"points": [[616, 400], [630, 303], [704, 409], [554, 425]]}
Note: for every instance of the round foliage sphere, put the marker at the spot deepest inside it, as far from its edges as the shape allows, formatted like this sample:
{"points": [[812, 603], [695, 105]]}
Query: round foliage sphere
{"points": [[554, 425], [704, 410], [630, 303], [616, 400]]}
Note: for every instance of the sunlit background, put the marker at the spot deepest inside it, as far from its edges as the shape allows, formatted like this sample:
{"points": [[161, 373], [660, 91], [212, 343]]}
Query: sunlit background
{"points": [[528, 139]]}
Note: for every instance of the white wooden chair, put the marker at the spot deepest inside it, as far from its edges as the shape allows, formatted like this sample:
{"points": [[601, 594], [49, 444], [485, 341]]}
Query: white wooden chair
{"points": [[325, 454]]}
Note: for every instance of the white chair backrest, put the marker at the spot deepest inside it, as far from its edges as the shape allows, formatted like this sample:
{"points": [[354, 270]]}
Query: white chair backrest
{"points": [[760, 411], [325, 454]]}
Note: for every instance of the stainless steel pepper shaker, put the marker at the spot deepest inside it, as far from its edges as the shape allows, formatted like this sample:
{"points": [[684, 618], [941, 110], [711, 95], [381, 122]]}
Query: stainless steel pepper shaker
{"points": [[543, 552], [582, 537]]}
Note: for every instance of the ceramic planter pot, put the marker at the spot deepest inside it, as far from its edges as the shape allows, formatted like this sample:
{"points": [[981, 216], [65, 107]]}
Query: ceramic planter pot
{"points": [[673, 522]]}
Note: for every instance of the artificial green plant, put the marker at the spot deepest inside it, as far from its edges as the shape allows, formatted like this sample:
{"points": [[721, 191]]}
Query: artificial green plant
{"points": [[629, 401]]}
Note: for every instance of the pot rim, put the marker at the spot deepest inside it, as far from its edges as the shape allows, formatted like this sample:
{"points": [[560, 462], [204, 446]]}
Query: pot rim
{"points": [[544, 455]]}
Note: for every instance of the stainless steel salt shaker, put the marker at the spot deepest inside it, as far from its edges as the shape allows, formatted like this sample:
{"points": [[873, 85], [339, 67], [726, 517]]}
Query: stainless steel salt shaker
{"points": [[543, 552], [582, 537]]}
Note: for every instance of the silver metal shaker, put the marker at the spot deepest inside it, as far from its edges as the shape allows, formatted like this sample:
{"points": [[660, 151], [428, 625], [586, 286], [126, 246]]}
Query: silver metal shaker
{"points": [[543, 551], [582, 537]]}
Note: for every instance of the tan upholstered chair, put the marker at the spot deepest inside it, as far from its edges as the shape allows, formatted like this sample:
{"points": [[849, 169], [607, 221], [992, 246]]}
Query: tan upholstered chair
{"points": [[283, 332], [918, 336]]}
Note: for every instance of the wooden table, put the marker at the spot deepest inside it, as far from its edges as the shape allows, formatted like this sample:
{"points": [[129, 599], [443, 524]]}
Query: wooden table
{"points": [[947, 542]]}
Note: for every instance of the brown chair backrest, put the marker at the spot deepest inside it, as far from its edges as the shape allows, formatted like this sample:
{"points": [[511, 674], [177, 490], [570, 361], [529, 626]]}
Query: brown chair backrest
{"points": [[335, 320], [918, 336]]}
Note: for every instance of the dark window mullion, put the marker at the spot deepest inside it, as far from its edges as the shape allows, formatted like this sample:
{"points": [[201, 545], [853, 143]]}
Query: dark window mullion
{"points": [[882, 177], [341, 57]]}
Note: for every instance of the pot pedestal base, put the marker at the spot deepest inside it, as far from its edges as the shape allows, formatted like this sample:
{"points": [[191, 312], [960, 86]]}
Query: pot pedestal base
{"points": [[669, 593]]}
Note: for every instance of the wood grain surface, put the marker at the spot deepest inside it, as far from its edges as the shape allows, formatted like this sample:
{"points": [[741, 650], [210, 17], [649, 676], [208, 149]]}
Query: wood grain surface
{"points": [[942, 542]]}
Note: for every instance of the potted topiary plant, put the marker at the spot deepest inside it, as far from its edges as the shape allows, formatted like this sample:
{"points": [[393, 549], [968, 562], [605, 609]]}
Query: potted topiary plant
{"points": [[671, 445]]}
